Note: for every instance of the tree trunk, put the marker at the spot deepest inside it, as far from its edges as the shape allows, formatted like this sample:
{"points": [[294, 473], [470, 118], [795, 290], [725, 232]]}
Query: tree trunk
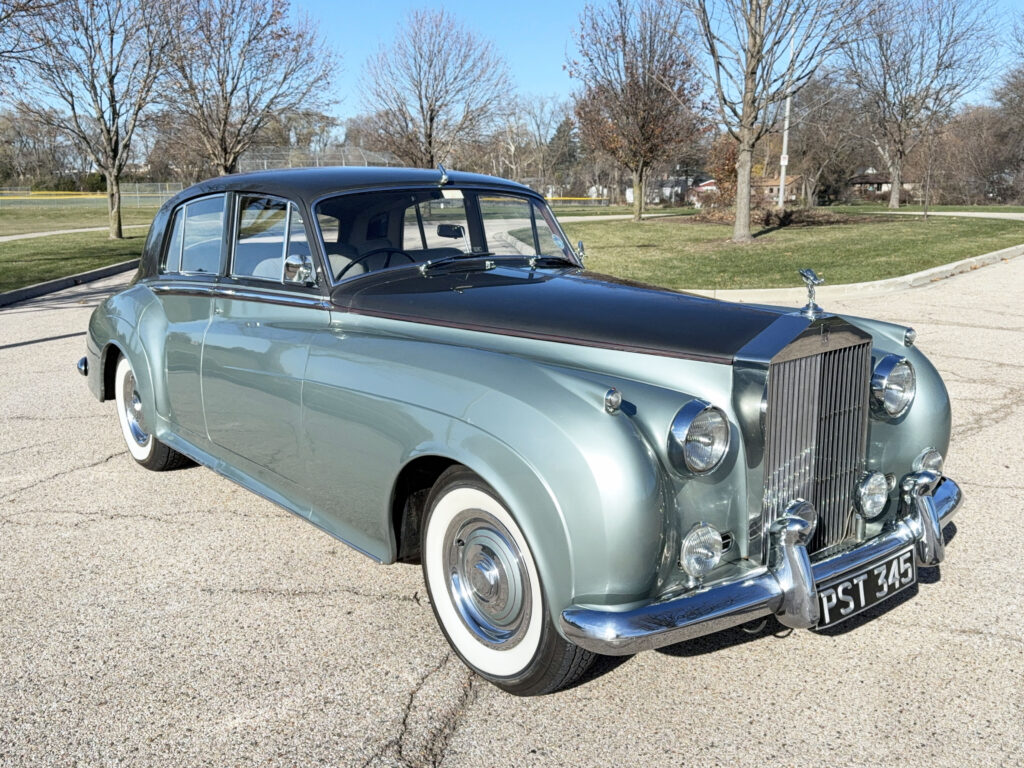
{"points": [[896, 179], [741, 228], [638, 194], [114, 205]]}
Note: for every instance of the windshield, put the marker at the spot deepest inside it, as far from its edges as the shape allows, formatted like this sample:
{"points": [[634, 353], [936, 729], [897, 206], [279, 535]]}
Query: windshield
{"points": [[369, 231]]}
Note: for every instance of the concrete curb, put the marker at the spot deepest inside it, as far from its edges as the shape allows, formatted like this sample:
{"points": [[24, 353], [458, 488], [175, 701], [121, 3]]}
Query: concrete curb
{"points": [[798, 295], [61, 283]]}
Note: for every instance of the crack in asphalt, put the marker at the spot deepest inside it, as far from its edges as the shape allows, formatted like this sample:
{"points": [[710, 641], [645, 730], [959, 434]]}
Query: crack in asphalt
{"points": [[994, 363], [11, 494], [33, 445], [298, 592], [396, 752], [58, 417], [994, 414]]}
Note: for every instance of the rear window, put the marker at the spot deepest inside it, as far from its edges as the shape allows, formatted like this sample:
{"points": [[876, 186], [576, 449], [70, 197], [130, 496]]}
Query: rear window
{"points": [[196, 242]]}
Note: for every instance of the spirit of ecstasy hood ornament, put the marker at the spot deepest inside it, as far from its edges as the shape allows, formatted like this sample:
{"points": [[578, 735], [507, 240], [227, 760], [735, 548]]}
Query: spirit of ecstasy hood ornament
{"points": [[811, 310]]}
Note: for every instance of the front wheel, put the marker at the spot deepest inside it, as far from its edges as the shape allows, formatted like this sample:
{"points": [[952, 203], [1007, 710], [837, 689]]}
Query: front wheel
{"points": [[486, 592], [144, 448]]}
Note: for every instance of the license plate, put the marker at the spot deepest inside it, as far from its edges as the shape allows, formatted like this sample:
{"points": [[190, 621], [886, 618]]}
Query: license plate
{"points": [[842, 598]]}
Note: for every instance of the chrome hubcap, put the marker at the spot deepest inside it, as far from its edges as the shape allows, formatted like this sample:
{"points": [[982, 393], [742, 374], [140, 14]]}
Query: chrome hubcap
{"points": [[133, 410], [487, 579]]}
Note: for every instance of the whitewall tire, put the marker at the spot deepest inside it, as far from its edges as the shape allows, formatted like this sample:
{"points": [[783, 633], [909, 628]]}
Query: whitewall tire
{"points": [[143, 447], [486, 591]]}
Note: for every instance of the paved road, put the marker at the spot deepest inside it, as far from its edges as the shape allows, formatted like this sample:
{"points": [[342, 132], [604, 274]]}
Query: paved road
{"points": [[176, 620]]}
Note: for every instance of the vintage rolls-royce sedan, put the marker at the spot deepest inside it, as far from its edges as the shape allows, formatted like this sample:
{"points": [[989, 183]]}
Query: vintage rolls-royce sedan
{"points": [[418, 363]]}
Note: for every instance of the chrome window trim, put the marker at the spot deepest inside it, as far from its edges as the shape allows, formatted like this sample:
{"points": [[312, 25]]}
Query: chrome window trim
{"points": [[222, 291]]}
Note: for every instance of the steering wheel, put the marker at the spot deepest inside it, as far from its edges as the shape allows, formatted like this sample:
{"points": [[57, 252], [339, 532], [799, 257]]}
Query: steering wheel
{"points": [[387, 262]]}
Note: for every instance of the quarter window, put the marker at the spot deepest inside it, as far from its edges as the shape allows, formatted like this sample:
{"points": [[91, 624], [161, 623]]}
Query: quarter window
{"points": [[203, 238], [197, 237]]}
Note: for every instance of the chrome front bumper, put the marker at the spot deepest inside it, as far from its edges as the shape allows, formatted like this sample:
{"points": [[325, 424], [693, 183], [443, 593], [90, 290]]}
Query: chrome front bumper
{"points": [[785, 589]]}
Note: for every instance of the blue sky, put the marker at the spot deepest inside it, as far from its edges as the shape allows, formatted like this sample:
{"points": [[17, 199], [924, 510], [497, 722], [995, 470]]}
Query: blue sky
{"points": [[532, 35]]}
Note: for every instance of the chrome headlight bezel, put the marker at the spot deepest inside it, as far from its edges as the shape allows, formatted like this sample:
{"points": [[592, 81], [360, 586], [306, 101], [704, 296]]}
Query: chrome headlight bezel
{"points": [[885, 381], [685, 430]]}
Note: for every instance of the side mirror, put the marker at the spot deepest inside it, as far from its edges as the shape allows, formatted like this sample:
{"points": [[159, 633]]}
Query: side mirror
{"points": [[298, 269], [581, 251], [451, 231]]}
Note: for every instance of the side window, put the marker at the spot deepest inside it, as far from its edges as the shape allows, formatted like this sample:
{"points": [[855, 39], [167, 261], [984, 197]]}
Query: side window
{"points": [[203, 238], [268, 230], [172, 256], [259, 245]]}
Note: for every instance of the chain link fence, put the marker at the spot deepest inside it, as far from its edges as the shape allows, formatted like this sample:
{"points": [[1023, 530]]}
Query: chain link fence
{"points": [[151, 195]]}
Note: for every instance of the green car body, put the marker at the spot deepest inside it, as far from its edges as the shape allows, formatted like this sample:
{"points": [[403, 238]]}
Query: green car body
{"points": [[345, 400]]}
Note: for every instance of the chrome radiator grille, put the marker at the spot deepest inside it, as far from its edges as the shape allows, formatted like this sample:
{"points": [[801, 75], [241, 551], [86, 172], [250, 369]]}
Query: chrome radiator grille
{"points": [[815, 433]]}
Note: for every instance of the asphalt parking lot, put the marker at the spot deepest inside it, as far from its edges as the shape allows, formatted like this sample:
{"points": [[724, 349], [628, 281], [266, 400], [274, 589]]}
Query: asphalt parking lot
{"points": [[176, 620]]}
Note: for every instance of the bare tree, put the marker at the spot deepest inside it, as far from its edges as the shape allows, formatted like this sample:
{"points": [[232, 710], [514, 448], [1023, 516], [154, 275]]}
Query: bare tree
{"points": [[14, 15], [640, 95], [912, 61], [542, 115], [31, 153], [99, 61], [823, 142], [436, 85], [758, 52], [235, 65]]}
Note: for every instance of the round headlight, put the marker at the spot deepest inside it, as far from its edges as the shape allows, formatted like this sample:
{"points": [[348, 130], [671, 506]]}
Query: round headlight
{"points": [[893, 386], [872, 494], [701, 550], [699, 438], [929, 460]]}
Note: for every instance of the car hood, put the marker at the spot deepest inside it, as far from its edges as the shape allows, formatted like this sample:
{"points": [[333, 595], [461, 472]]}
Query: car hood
{"points": [[566, 305]]}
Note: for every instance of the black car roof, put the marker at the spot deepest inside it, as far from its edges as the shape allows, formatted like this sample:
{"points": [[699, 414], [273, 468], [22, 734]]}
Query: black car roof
{"points": [[312, 183]]}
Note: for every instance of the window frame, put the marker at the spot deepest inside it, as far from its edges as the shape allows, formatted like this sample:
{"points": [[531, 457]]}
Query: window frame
{"points": [[182, 209], [311, 243]]}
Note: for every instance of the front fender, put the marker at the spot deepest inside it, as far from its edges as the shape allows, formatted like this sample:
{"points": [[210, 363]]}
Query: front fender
{"points": [[893, 445]]}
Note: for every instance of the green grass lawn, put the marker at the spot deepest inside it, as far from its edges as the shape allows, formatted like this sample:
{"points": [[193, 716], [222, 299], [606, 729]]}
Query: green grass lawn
{"points": [[38, 217], [25, 262], [680, 253], [675, 252]]}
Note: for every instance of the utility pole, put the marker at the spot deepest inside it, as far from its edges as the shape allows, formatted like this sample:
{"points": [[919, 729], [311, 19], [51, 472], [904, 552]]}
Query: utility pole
{"points": [[784, 159]]}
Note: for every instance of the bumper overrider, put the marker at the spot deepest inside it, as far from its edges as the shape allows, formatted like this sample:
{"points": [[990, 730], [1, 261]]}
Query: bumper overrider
{"points": [[785, 589]]}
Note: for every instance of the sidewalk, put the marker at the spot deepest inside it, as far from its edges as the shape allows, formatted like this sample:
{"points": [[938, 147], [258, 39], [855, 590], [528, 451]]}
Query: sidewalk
{"points": [[31, 235]]}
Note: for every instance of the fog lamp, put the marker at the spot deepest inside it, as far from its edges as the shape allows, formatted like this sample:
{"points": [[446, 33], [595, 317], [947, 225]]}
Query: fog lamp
{"points": [[701, 550], [930, 460], [872, 494]]}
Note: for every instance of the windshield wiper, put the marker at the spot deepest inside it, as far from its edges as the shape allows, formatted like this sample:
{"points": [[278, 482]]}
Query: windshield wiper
{"points": [[427, 266]]}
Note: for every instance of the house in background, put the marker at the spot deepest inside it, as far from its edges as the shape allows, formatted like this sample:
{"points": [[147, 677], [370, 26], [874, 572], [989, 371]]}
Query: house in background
{"points": [[766, 191], [871, 184]]}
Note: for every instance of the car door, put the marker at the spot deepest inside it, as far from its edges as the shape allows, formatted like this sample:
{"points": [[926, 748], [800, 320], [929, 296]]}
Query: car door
{"points": [[191, 263], [257, 346]]}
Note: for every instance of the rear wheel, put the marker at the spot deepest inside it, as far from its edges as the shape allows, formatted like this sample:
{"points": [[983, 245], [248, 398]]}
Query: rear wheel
{"points": [[144, 448], [486, 593]]}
